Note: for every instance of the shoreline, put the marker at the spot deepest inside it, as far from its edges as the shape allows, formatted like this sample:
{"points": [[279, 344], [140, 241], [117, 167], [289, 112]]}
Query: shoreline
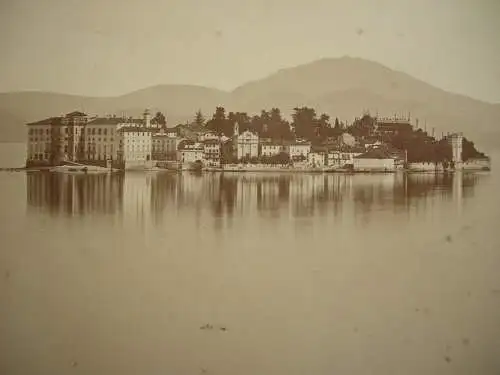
{"points": [[247, 170]]}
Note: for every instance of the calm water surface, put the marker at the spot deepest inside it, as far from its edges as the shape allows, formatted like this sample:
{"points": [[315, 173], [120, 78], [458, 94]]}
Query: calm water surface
{"points": [[295, 274]]}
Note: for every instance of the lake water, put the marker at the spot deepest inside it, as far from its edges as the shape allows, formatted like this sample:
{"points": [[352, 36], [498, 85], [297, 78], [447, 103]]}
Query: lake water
{"points": [[293, 274]]}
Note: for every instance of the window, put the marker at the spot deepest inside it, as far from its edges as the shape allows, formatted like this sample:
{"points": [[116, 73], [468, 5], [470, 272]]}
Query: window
{"points": [[93, 131], [99, 131], [105, 131]]}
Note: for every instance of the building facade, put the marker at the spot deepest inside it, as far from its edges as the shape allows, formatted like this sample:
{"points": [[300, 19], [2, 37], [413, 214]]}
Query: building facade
{"points": [[190, 152], [374, 160], [57, 139], [212, 152], [271, 148], [135, 146], [456, 141], [341, 158], [316, 159], [77, 137], [247, 145], [298, 150], [102, 139]]}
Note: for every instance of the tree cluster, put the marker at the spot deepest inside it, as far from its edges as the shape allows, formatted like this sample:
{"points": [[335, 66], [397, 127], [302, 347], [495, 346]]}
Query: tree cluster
{"points": [[271, 124], [308, 125]]}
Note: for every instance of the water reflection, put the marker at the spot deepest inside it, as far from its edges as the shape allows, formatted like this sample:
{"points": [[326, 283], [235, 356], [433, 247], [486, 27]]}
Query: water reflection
{"points": [[144, 196], [75, 194]]}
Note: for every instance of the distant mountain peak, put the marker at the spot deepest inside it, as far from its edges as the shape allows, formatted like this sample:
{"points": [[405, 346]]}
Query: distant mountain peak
{"points": [[339, 86]]}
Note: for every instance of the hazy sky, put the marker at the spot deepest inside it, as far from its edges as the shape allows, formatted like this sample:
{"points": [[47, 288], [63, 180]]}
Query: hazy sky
{"points": [[111, 47]]}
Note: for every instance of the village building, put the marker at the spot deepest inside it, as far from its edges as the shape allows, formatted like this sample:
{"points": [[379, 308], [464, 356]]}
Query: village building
{"points": [[343, 157], [375, 160], [207, 135], [316, 159], [271, 148], [171, 132], [298, 150], [165, 143], [212, 152], [246, 144], [172, 146], [159, 146], [190, 152], [135, 146]]}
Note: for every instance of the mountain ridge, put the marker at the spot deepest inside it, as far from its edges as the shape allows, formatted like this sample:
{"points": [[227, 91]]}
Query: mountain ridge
{"points": [[342, 87]]}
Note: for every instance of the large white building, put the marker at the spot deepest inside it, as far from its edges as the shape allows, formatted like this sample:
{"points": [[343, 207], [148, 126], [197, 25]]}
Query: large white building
{"points": [[135, 146], [55, 139], [246, 144], [99, 140], [102, 140]]}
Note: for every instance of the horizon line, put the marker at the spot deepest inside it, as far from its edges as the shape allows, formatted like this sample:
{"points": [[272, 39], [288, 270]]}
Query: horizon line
{"points": [[230, 91]]}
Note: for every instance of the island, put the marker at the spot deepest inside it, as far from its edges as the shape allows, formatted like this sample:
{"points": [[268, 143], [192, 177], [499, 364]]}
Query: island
{"points": [[238, 142]]}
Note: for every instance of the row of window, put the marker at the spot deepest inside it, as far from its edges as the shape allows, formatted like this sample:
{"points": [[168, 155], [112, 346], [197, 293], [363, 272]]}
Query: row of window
{"points": [[90, 131], [136, 148], [100, 139], [139, 134], [36, 139]]}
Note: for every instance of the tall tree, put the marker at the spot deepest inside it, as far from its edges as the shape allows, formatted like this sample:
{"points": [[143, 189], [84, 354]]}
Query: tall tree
{"points": [[337, 123], [218, 123], [363, 127], [304, 122], [199, 119], [278, 127], [160, 119], [469, 150]]}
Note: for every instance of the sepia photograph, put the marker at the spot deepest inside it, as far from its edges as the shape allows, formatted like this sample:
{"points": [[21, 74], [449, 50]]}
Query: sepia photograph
{"points": [[249, 187]]}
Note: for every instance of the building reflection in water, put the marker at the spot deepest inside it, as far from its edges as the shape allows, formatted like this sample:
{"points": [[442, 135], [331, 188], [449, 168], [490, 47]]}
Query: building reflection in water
{"points": [[144, 196], [74, 194]]}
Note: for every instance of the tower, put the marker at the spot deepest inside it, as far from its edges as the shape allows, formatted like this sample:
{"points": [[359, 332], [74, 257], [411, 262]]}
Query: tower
{"points": [[456, 140], [147, 118]]}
